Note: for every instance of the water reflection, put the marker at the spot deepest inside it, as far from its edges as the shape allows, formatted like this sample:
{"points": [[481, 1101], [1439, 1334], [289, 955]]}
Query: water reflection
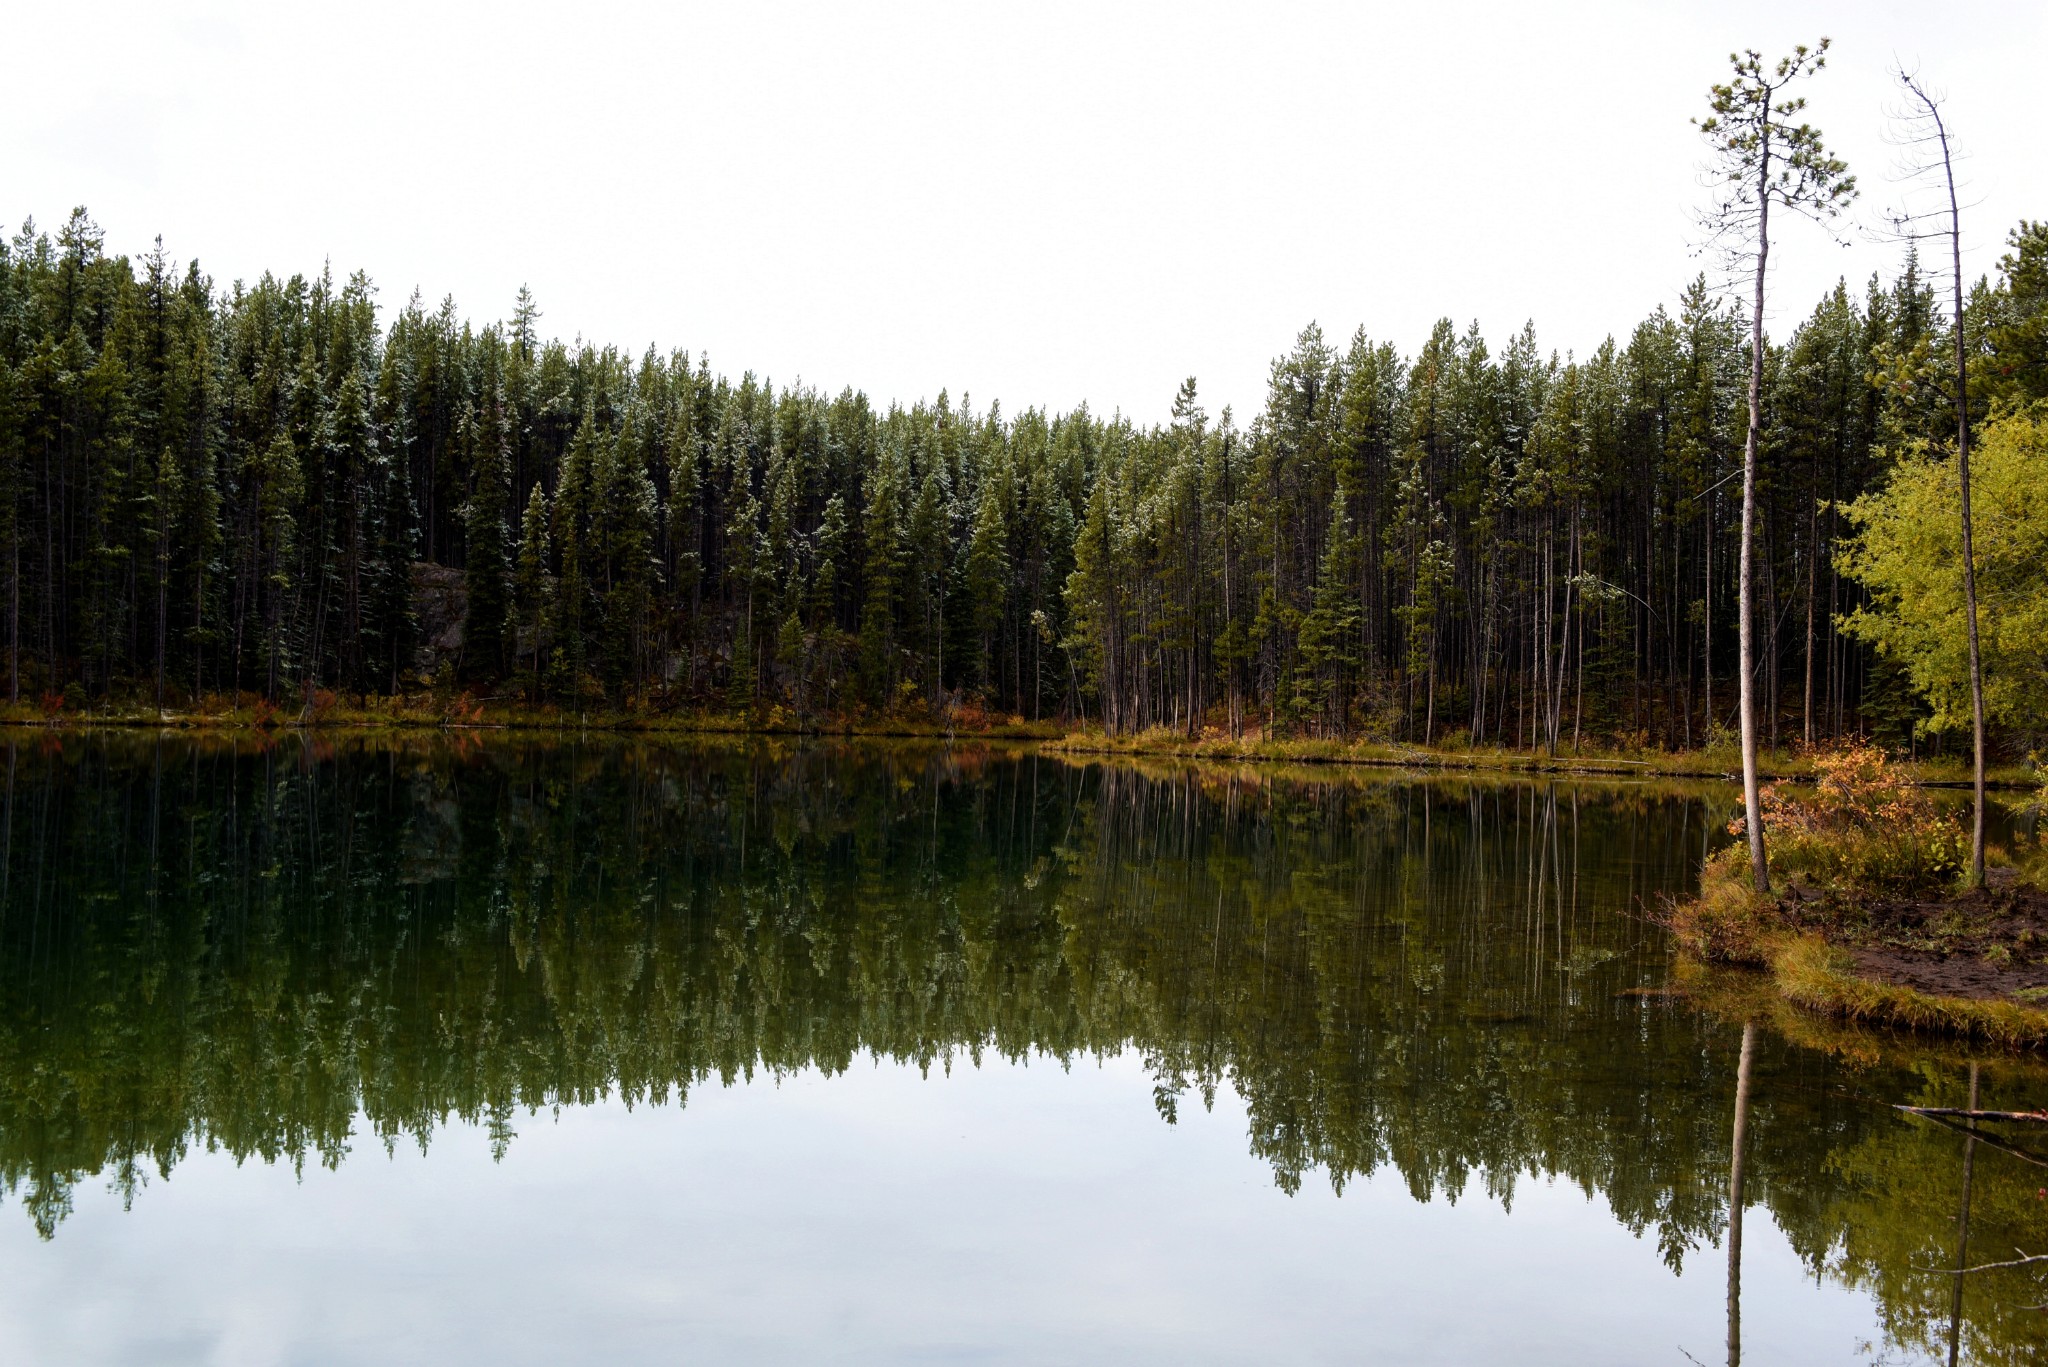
{"points": [[264, 950], [1738, 1148], [1955, 1309]]}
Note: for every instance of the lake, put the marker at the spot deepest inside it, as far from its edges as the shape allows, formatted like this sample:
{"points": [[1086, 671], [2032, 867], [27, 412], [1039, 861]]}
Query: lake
{"points": [[460, 1050]]}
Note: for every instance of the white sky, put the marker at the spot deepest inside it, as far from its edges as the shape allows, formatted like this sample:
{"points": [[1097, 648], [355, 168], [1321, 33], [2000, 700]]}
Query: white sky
{"points": [[1038, 203]]}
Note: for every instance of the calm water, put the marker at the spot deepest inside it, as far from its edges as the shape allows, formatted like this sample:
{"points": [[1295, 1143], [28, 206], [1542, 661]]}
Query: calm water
{"points": [[534, 1053]]}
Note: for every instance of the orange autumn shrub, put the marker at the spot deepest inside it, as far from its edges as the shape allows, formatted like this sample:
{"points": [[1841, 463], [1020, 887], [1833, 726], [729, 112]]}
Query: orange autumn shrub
{"points": [[1863, 824]]}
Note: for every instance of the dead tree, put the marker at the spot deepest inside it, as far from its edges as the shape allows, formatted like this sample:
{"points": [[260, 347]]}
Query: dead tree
{"points": [[1930, 156]]}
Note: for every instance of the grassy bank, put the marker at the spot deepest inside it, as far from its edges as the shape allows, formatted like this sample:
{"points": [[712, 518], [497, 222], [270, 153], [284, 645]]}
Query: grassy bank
{"points": [[1824, 972], [486, 712], [1714, 761], [1734, 995], [1870, 920]]}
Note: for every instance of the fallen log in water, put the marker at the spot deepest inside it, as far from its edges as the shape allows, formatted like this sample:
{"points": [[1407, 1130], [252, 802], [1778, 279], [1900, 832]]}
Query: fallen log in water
{"points": [[1964, 1113]]}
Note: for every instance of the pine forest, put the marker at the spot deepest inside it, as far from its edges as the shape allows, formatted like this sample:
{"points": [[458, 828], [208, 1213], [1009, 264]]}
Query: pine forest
{"points": [[279, 489]]}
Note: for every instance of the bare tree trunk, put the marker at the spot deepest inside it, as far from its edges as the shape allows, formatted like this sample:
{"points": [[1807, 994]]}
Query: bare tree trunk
{"points": [[1745, 636], [1579, 640], [1773, 692], [1429, 716], [14, 617], [163, 599], [1812, 552], [1955, 242], [1229, 618], [1579, 696], [1707, 624]]}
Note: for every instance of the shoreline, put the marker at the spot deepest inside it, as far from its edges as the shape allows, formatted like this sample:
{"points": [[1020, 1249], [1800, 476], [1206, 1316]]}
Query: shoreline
{"points": [[466, 716], [1723, 924], [1962, 964], [1814, 975]]}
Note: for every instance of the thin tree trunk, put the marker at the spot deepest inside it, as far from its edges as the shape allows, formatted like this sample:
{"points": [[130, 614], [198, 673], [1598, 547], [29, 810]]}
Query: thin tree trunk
{"points": [[1429, 720], [1707, 625], [1751, 794], [1812, 552], [1773, 692], [1579, 643], [14, 616], [1955, 242], [163, 602]]}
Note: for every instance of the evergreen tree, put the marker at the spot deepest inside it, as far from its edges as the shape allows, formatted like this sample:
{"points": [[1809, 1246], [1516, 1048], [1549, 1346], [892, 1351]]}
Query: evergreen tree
{"points": [[1330, 629], [486, 569], [534, 588]]}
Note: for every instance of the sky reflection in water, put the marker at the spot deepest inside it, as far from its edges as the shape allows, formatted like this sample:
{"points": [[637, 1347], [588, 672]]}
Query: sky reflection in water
{"points": [[1008, 1213]]}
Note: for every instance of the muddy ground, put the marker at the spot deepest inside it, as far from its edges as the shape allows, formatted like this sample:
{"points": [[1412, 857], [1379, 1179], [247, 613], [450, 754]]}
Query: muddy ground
{"points": [[1989, 942]]}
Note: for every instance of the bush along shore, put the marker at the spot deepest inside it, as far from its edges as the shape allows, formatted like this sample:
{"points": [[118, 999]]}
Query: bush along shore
{"points": [[1871, 917]]}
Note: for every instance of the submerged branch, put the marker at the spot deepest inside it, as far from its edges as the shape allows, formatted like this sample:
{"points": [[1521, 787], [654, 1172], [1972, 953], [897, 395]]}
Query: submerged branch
{"points": [[2030, 1117]]}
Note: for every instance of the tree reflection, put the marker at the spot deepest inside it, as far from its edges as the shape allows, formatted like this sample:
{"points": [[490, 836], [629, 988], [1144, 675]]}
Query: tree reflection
{"points": [[279, 950], [1955, 1309], [1738, 1148]]}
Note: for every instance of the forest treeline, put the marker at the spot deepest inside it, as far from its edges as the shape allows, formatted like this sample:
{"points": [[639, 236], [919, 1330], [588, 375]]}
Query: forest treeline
{"points": [[270, 489]]}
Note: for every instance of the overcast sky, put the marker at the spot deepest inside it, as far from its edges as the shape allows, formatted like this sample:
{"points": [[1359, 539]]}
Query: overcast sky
{"points": [[1038, 203]]}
